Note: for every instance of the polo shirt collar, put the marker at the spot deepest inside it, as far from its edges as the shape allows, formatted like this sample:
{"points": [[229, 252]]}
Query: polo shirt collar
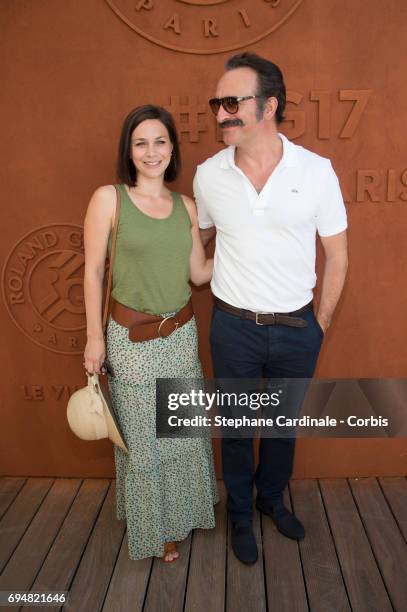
{"points": [[290, 157]]}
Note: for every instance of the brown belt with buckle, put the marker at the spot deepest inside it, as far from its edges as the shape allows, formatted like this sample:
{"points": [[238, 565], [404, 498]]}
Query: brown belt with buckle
{"points": [[271, 318], [143, 326]]}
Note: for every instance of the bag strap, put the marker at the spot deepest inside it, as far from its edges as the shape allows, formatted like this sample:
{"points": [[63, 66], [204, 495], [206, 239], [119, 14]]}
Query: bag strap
{"points": [[106, 306]]}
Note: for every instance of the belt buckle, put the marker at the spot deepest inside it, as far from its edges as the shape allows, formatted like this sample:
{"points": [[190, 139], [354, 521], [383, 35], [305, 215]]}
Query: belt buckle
{"points": [[257, 318], [162, 323], [262, 313]]}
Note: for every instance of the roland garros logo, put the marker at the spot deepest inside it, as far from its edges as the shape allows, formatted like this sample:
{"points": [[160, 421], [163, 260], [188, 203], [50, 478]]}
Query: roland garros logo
{"points": [[204, 26], [42, 287]]}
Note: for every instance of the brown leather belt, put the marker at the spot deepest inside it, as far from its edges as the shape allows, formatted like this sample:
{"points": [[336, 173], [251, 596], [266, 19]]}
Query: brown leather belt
{"points": [[143, 326], [272, 318]]}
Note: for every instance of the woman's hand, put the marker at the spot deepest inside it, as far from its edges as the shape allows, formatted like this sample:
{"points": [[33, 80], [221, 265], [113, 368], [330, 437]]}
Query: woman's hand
{"points": [[94, 356]]}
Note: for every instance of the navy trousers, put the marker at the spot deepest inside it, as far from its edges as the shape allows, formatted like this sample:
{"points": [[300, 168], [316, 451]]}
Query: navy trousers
{"points": [[242, 349]]}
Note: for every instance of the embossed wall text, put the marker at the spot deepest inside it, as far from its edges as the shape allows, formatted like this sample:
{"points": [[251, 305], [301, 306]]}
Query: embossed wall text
{"points": [[191, 113], [42, 287], [45, 392], [324, 106], [204, 26]]}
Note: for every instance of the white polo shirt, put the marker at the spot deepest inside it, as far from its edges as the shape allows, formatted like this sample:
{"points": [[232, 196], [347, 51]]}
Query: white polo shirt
{"points": [[266, 242]]}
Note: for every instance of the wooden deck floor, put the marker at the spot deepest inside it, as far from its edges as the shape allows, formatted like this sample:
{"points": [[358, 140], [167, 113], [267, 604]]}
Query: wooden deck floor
{"points": [[62, 534]]}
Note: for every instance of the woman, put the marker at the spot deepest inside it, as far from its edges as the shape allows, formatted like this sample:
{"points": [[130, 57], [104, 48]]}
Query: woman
{"points": [[165, 487]]}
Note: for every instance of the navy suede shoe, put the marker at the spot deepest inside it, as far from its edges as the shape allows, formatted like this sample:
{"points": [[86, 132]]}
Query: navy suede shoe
{"points": [[286, 522], [244, 543]]}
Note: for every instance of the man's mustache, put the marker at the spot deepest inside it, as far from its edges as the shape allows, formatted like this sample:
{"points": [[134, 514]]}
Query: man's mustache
{"points": [[231, 122]]}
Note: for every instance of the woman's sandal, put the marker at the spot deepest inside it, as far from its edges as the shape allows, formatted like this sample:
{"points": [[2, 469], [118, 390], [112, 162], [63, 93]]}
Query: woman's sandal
{"points": [[170, 550]]}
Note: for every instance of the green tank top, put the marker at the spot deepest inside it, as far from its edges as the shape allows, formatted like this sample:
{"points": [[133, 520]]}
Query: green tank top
{"points": [[151, 267]]}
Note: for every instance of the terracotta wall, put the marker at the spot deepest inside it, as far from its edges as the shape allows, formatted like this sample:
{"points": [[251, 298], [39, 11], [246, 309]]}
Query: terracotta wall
{"points": [[71, 70]]}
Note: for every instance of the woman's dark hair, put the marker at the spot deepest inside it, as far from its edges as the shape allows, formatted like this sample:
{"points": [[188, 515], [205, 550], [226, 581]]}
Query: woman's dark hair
{"points": [[270, 82], [126, 170]]}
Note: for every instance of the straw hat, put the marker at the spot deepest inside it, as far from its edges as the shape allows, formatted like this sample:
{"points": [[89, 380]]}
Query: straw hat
{"points": [[91, 415]]}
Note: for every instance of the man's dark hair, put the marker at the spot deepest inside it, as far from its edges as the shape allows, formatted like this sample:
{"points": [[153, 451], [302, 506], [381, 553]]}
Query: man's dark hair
{"points": [[126, 171], [270, 82]]}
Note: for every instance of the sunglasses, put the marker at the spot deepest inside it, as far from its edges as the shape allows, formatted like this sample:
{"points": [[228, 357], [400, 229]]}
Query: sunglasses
{"points": [[230, 103]]}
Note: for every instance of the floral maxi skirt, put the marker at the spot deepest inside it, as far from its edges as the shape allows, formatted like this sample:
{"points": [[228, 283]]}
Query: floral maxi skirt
{"points": [[164, 487]]}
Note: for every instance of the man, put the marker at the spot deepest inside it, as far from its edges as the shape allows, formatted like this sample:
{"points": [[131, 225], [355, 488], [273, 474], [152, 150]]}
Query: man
{"points": [[266, 199]]}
